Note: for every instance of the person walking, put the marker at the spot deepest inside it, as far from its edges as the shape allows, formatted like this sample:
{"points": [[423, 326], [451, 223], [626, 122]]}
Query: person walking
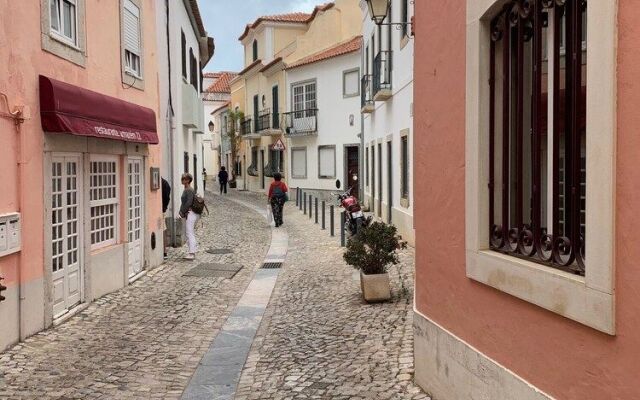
{"points": [[166, 198], [223, 179], [204, 179], [186, 213], [277, 197]]}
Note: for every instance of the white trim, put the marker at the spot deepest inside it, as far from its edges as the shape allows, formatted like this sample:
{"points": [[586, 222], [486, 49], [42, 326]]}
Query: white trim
{"points": [[589, 300], [115, 201]]}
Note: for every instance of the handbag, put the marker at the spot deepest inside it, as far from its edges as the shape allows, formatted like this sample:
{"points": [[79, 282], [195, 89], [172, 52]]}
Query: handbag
{"points": [[269, 214]]}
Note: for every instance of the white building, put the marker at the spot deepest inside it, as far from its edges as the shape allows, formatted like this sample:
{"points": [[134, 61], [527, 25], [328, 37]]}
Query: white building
{"points": [[387, 106], [323, 122], [183, 49], [216, 98]]}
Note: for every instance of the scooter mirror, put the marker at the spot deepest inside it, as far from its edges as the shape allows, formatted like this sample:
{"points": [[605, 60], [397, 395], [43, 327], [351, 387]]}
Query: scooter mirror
{"points": [[338, 184]]}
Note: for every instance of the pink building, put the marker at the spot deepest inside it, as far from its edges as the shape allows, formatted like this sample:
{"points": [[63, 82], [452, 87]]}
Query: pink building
{"points": [[526, 270], [80, 215]]}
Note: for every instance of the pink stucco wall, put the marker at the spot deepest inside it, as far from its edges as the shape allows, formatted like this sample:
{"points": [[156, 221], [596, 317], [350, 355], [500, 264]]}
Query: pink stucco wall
{"points": [[21, 61], [561, 357]]}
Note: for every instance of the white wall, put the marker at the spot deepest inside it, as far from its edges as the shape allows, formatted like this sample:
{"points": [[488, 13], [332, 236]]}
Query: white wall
{"points": [[389, 119], [333, 118]]}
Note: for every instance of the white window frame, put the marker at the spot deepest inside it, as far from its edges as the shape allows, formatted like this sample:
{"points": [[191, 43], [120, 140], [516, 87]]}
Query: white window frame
{"points": [[308, 110], [332, 176], [130, 55], [103, 202], [293, 150], [589, 300], [59, 34], [344, 83]]}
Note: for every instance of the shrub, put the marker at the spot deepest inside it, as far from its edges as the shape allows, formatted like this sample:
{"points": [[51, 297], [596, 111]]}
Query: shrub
{"points": [[373, 249]]}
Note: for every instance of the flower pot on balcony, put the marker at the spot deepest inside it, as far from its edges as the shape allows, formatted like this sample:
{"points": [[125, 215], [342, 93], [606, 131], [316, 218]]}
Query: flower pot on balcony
{"points": [[375, 287]]}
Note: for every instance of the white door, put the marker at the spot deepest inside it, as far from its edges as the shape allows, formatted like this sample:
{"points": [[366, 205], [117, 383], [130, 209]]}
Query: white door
{"points": [[66, 238], [135, 212]]}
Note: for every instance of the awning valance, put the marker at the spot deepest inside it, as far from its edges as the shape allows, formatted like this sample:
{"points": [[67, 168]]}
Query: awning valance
{"points": [[66, 108]]}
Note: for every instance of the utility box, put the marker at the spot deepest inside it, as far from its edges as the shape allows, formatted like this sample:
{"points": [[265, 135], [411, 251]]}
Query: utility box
{"points": [[10, 234]]}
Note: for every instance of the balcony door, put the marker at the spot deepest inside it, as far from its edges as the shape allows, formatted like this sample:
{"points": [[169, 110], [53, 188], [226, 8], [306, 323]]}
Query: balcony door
{"points": [[304, 107], [275, 123]]}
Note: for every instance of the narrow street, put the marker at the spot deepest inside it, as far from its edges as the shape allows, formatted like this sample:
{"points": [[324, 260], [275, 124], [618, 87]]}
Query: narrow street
{"points": [[317, 338]]}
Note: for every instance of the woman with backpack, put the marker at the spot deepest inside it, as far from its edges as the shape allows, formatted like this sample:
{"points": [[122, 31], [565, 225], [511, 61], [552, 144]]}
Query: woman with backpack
{"points": [[188, 197], [277, 197]]}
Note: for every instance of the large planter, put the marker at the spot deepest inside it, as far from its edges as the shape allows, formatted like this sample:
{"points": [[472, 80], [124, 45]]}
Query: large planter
{"points": [[375, 288]]}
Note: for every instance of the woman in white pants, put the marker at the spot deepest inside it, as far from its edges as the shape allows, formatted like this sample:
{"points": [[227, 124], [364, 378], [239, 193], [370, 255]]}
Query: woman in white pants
{"points": [[188, 195]]}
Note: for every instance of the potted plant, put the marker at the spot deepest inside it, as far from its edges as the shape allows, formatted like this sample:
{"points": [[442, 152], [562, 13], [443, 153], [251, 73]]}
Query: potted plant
{"points": [[371, 252], [235, 138]]}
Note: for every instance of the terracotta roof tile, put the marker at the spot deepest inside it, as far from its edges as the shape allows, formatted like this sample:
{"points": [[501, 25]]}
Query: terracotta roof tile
{"points": [[222, 85], [347, 47], [297, 17], [213, 75]]}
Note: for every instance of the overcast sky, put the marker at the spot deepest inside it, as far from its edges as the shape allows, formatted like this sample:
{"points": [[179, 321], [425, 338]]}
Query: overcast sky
{"points": [[225, 21]]}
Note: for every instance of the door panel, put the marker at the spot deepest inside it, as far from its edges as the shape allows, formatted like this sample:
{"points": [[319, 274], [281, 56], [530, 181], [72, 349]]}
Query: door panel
{"points": [[353, 168], [135, 212]]}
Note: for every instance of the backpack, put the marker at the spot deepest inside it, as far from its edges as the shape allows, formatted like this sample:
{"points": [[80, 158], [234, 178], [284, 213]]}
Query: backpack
{"points": [[198, 206], [278, 193]]}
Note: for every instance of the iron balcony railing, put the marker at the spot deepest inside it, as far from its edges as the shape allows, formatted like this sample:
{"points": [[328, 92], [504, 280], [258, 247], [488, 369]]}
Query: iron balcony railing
{"points": [[263, 122], [245, 126], [366, 92], [301, 122], [382, 71]]}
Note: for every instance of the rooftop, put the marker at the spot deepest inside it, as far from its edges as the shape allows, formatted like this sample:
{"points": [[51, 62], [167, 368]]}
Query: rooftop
{"points": [[352, 45], [298, 17]]}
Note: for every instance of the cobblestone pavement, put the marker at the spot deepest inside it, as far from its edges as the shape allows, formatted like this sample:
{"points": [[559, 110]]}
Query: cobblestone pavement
{"points": [[144, 341], [318, 339]]}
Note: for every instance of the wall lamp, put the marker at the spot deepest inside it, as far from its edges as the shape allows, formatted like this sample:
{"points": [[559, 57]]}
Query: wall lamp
{"points": [[379, 9]]}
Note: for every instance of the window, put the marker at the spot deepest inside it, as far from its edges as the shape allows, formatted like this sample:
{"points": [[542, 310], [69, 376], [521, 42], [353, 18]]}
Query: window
{"points": [[103, 201], [193, 70], [533, 216], [63, 19], [404, 17], [579, 282], [184, 55], [304, 100], [366, 166], [326, 162], [404, 177], [132, 39], [299, 162], [351, 83], [238, 166], [255, 50]]}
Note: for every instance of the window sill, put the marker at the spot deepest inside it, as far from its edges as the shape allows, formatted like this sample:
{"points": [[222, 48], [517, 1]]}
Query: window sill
{"points": [[557, 291], [64, 40]]}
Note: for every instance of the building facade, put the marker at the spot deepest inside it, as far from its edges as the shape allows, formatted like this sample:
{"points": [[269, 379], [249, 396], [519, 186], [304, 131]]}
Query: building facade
{"points": [[183, 50], [80, 211], [528, 150], [387, 110]]}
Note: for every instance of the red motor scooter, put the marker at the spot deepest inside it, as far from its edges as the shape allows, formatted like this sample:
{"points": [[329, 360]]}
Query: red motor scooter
{"points": [[355, 219]]}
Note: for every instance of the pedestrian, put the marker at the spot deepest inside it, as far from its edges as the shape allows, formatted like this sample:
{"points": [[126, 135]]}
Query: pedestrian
{"points": [[166, 198], [277, 197], [186, 213], [223, 178], [204, 179]]}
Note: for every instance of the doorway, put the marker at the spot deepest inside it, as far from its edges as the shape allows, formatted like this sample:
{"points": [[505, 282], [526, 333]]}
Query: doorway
{"points": [[389, 182], [379, 180], [135, 212], [352, 169], [262, 168], [66, 232]]}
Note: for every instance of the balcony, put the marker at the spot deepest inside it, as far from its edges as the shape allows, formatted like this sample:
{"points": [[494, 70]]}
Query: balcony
{"points": [[268, 123], [382, 76], [301, 123], [367, 105], [246, 129], [192, 109]]}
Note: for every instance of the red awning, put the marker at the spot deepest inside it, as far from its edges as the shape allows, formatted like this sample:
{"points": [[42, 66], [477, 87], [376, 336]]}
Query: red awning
{"points": [[66, 108]]}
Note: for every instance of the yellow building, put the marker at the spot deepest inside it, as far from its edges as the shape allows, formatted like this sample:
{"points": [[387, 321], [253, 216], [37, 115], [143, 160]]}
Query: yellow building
{"points": [[270, 44]]}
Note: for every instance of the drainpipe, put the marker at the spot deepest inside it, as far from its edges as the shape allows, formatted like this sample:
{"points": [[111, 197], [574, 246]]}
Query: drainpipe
{"points": [[170, 131]]}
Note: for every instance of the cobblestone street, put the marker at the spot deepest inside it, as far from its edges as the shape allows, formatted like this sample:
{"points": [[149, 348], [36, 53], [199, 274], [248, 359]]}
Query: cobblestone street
{"points": [[317, 339]]}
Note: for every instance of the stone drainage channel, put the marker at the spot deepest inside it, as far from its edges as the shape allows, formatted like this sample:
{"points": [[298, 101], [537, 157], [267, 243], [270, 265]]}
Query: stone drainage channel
{"points": [[218, 373]]}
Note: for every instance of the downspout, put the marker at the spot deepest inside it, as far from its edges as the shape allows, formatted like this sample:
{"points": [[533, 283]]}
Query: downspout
{"points": [[170, 132]]}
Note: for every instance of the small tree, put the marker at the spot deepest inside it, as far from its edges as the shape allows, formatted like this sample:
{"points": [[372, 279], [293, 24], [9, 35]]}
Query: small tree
{"points": [[235, 138], [373, 249]]}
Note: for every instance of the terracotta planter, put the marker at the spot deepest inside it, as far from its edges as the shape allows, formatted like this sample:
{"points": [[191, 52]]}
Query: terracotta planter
{"points": [[375, 287]]}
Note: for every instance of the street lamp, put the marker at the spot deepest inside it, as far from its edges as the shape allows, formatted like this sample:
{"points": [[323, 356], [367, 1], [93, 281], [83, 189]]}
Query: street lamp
{"points": [[379, 9]]}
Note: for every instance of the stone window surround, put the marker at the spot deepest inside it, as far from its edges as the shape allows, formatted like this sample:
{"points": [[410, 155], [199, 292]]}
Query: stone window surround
{"points": [[54, 44], [404, 201], [128, 78], [589, 300], [332, 147], [344, 83]]}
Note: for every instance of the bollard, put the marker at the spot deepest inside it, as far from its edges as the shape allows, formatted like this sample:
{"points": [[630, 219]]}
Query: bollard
{"points": [[310, 206], [300, 202], [297, 196], [324, 226], [316, 209], [304, 196], [331, 223], [342, 222]]}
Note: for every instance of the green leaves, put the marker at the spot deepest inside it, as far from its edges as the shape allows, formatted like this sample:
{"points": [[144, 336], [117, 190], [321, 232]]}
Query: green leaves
{"points": [[373, 249]]}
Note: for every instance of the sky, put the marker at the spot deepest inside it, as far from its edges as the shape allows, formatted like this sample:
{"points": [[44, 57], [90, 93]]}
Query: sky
{"points": [[225, 21]]}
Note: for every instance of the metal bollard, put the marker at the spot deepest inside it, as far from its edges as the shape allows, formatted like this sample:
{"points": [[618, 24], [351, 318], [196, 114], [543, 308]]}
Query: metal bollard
{"points": [[297, 196], [324, 226], [342, 223], [300, 202], [304, 196], [316, 209], [310, 206], [331, 220]]}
